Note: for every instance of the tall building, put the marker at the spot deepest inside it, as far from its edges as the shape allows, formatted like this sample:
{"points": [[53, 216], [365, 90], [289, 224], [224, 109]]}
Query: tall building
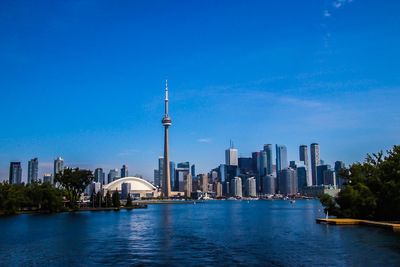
{"points": [[193, 170], [125, 190], [303, 156], [15, 173], [330, 177], [33, 168], [166, 122], [48, 178], [250, 186], [320, 173], [58, 166], [218, 189], [99, 176], [156, 177], [231, 156], [124, 171], [187, 184], [255, 159], [204, 182], [160, 171], [112, 175], [339, 167], [315, 161], [172, 168], [301, 177], [236, 187], [245, 165], [288, 181], [269, 182], [268, 151], [281, 158]]}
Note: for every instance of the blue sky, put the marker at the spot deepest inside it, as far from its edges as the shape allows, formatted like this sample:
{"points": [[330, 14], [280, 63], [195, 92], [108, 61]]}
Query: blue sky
{"points": [[84, 80]]}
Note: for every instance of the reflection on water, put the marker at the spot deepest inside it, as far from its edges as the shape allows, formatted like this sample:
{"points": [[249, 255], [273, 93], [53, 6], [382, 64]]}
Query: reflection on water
{"points": [[274, 233]]}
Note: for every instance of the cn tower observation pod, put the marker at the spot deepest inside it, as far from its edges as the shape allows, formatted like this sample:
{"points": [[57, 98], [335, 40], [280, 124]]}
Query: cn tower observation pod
{"points": [[138, 186]]}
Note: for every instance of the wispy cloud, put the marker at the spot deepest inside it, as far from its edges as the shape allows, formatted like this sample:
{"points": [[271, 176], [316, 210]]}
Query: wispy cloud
{"points": [[204, 140], [128, 152], [340, 3]]}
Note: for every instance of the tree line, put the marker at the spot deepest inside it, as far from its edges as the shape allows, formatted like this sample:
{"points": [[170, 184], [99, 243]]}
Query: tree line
{"points": [[44, 197], [372, 189]]}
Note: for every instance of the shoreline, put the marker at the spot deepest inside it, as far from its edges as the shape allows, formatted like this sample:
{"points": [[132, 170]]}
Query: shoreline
{"points": [[358, 222]]}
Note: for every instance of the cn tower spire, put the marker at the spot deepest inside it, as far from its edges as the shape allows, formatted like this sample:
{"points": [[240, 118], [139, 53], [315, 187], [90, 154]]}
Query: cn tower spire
{"points": [[166, 122], [166, 98]]}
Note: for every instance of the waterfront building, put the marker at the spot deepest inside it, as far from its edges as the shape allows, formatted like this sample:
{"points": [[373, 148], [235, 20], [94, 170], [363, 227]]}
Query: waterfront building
{"points": [[124, 171], [268, 151], [218, 189], [180, 174], [187, 184], [204, 182], [255, 159], [160, 171], [339, 166], [231, 156], [48, 178], [315, 161], [222, 173], [320, 173], [156, 177], [112, 175], [269, 182], [15, 175], [245, 165], [319, 190], [213, 176], [166, 122], [236, 187], [329, 177], [193, 170], [172, 173], [58, 166], [125, 190], [99, 176], [288, 181], [301, 177], [33, 168], [281, 158], [138, 187], [303, 156], [250, 187]]}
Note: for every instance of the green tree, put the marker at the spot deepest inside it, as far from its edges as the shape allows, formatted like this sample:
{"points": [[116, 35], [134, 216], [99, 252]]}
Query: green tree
{"points": [[108, 200], [74, 182], [372, 189], [128, 201], [115, 199]]}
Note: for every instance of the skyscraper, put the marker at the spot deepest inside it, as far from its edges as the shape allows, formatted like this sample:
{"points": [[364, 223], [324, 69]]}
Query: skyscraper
{"points": [[15, 173], [160, 171], [58, 166], [112, 175], [269, 182], [250, 186], [281, 158], [268, 150], [48, 178], [288, 181], [303, 156], [231, 156], [99, 176], [236, 187], [193, 170], [187, 184], [166, 122], [315, 161], [172, 168], [124, 171], [339, 166], [33, 167]]}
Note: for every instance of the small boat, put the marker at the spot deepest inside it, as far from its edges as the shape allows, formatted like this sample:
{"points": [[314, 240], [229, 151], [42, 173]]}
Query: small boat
{"points": [[292, 201]]}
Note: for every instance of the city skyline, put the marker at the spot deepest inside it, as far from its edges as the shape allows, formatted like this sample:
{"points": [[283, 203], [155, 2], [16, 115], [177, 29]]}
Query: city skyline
{"points": [[83, 81]]}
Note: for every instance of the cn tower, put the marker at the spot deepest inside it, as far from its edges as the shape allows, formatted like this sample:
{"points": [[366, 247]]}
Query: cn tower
{"points": [[166, 122]]}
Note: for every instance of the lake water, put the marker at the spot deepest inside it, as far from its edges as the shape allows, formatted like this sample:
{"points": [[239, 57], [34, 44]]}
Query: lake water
{"points": [[216, 233]]}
